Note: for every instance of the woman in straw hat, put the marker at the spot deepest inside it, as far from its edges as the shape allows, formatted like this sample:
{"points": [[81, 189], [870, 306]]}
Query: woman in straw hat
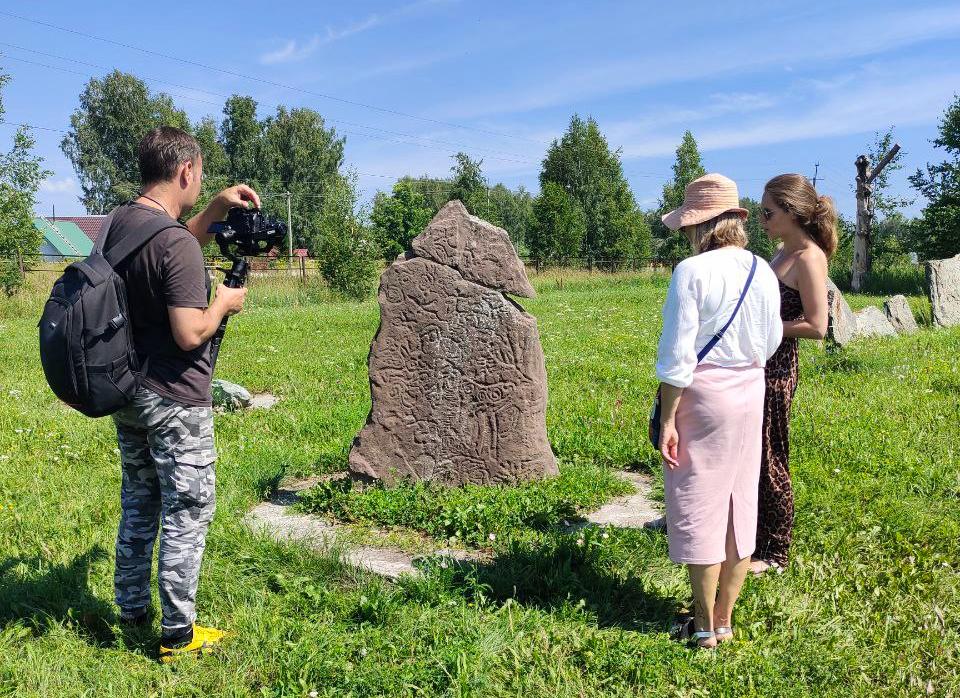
{"points": [[806, 225], [712, 399]]}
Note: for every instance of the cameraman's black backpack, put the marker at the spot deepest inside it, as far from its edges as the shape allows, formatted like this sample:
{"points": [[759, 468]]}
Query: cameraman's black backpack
{"points": [[86, 339]]}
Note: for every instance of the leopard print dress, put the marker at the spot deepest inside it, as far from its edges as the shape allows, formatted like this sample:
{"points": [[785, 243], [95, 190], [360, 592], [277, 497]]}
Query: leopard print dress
{"points": [[775, 501]]}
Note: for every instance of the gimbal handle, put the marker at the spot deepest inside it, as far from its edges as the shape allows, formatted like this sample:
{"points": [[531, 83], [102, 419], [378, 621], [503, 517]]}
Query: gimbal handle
{"points": [[236, 278]]}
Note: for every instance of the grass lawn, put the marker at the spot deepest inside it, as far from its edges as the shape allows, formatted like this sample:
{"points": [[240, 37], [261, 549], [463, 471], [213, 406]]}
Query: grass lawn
{"points": [[869, 606]]}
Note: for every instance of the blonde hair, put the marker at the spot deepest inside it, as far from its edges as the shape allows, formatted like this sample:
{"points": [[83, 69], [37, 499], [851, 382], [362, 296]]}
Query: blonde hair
{"points": [[816, 214], [723, 231]]}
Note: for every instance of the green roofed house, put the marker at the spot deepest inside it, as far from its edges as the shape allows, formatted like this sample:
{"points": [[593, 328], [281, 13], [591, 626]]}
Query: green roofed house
{"points": [[62, 239]]}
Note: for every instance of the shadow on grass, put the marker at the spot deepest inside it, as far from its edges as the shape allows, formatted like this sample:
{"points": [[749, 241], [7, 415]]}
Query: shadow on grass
{"points": [[564, 575], [61, 595]]}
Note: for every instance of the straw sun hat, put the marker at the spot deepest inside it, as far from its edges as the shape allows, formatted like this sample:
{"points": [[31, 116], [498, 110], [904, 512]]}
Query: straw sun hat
{"points": [[706, 198]]}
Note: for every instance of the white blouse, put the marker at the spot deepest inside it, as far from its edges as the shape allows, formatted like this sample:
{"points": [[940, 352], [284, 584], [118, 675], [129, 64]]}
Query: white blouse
{"points": [[703, 292]]}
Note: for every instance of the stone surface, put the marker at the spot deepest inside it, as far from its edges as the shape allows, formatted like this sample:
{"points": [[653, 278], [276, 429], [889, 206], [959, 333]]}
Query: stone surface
{"points": [[263, 401], [900, 315], [457, 381], [871, 322], [631, 511], [842, 327], [480, 251], [278, 520], [229, 396], [943, 282]]}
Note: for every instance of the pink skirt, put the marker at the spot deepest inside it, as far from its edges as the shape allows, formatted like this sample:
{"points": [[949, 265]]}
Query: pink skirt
{"points": [[720, 424]]}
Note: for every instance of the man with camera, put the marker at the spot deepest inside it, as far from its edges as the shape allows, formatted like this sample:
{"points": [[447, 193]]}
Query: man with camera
{"points": [[165, 434]]}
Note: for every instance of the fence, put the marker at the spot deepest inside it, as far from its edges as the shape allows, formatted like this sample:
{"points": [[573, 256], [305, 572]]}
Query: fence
{"points": [[306, 267]]}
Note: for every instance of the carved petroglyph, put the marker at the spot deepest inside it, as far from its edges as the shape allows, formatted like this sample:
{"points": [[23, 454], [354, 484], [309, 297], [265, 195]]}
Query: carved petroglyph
{"points": [[457, 375], [480, 251]]}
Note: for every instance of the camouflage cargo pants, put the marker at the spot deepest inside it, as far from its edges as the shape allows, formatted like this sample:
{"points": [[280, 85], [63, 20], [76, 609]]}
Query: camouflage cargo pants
{"points": [[167, 456]]}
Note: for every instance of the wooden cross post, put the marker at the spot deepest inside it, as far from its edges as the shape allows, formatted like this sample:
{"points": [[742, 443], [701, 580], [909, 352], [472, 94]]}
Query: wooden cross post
{"points": [[862, 261]]}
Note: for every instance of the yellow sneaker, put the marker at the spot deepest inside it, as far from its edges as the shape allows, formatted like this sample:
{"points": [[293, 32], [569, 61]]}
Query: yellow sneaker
{"points": [[202, 643]]}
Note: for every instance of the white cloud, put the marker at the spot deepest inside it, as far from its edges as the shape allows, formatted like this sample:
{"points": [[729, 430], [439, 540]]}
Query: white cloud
{"points": [[862, 104], [65, 185], [817, 42], [290, 52], [293, 51]]}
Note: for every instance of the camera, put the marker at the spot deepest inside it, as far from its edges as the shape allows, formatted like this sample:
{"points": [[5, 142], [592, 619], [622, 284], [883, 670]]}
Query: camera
{"points": [[248, 232]]}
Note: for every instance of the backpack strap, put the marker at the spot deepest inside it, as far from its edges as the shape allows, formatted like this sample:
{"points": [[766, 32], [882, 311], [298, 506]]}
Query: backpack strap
{"points": [[131, 242], [719, 335], [104, 230]]}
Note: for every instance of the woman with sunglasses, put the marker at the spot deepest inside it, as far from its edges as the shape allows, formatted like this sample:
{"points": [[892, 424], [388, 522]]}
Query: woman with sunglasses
{"points": [[806, 226]]}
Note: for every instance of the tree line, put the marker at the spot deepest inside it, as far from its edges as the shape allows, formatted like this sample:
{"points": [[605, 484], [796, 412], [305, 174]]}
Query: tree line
{"points": [[584, 210]]}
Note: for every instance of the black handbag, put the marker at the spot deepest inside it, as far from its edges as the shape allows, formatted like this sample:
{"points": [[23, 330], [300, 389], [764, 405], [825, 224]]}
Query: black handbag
{"points": [[653, 431]]}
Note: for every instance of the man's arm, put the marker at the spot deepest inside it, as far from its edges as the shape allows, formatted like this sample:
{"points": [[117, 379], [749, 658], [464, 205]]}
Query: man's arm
{"points": [[192, 327], [240, 195]]}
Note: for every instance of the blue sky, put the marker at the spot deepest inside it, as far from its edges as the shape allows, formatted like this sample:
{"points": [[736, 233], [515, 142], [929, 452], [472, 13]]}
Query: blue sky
{"points": [[765, 87]]}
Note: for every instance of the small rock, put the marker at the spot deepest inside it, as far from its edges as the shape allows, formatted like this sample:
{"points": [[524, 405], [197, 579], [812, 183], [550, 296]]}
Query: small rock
{"points": [[898, 312], [943, 282], [230, 396], [871, 322]]}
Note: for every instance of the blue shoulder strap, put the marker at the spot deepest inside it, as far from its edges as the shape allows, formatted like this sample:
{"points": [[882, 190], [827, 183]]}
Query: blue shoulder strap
{"points": [[719, 335]]}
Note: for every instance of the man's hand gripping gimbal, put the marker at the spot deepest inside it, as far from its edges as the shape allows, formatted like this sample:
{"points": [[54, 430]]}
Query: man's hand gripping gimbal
{"points": [[245, 233]]}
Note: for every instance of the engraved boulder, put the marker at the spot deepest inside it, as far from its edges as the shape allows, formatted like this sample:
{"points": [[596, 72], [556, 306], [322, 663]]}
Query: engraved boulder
{"points": [[457, 375], [480, 251]]}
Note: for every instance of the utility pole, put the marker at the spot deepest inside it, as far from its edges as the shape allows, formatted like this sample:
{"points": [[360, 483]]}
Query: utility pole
{"points": [[289, 233], [816, 170], [862, 261]]}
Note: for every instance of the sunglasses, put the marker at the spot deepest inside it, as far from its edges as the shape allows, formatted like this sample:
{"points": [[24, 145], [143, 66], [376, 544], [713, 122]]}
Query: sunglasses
{"points": [[766, 213]]}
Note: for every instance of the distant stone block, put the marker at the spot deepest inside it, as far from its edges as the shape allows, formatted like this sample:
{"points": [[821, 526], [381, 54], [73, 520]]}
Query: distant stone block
{"points": [[871, 322], [900, 315], [943, 282]]}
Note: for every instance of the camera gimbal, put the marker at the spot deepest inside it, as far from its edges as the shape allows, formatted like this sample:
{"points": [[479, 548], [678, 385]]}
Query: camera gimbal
{"points": [[245, 233]]}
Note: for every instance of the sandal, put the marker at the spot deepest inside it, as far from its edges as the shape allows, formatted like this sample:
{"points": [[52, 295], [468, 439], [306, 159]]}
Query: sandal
{"points": [[723, 630], [686, 631]]}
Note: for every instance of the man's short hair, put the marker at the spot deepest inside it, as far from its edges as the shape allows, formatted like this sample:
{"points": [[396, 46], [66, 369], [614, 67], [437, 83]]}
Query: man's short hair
{"points": [[162, 151]]}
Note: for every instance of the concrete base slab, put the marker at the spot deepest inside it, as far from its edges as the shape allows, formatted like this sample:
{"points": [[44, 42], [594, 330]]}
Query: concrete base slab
{"points": [[278, 520], [631, 511]]}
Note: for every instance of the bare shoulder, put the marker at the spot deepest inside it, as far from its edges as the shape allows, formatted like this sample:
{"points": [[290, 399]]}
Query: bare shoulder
{"points": [[813, 257]]}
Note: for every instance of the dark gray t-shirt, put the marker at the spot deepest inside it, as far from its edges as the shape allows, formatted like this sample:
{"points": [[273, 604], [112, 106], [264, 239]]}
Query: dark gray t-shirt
{"points": [[167, 272]]}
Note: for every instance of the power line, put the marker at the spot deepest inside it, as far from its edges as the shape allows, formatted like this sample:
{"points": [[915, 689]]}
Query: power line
{"points": [[23, 124], [224, 96], [264, 81], [465, 148]]}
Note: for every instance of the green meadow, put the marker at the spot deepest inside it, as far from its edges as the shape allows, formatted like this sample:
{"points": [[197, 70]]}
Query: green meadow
{"points": [[869, 606]]}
